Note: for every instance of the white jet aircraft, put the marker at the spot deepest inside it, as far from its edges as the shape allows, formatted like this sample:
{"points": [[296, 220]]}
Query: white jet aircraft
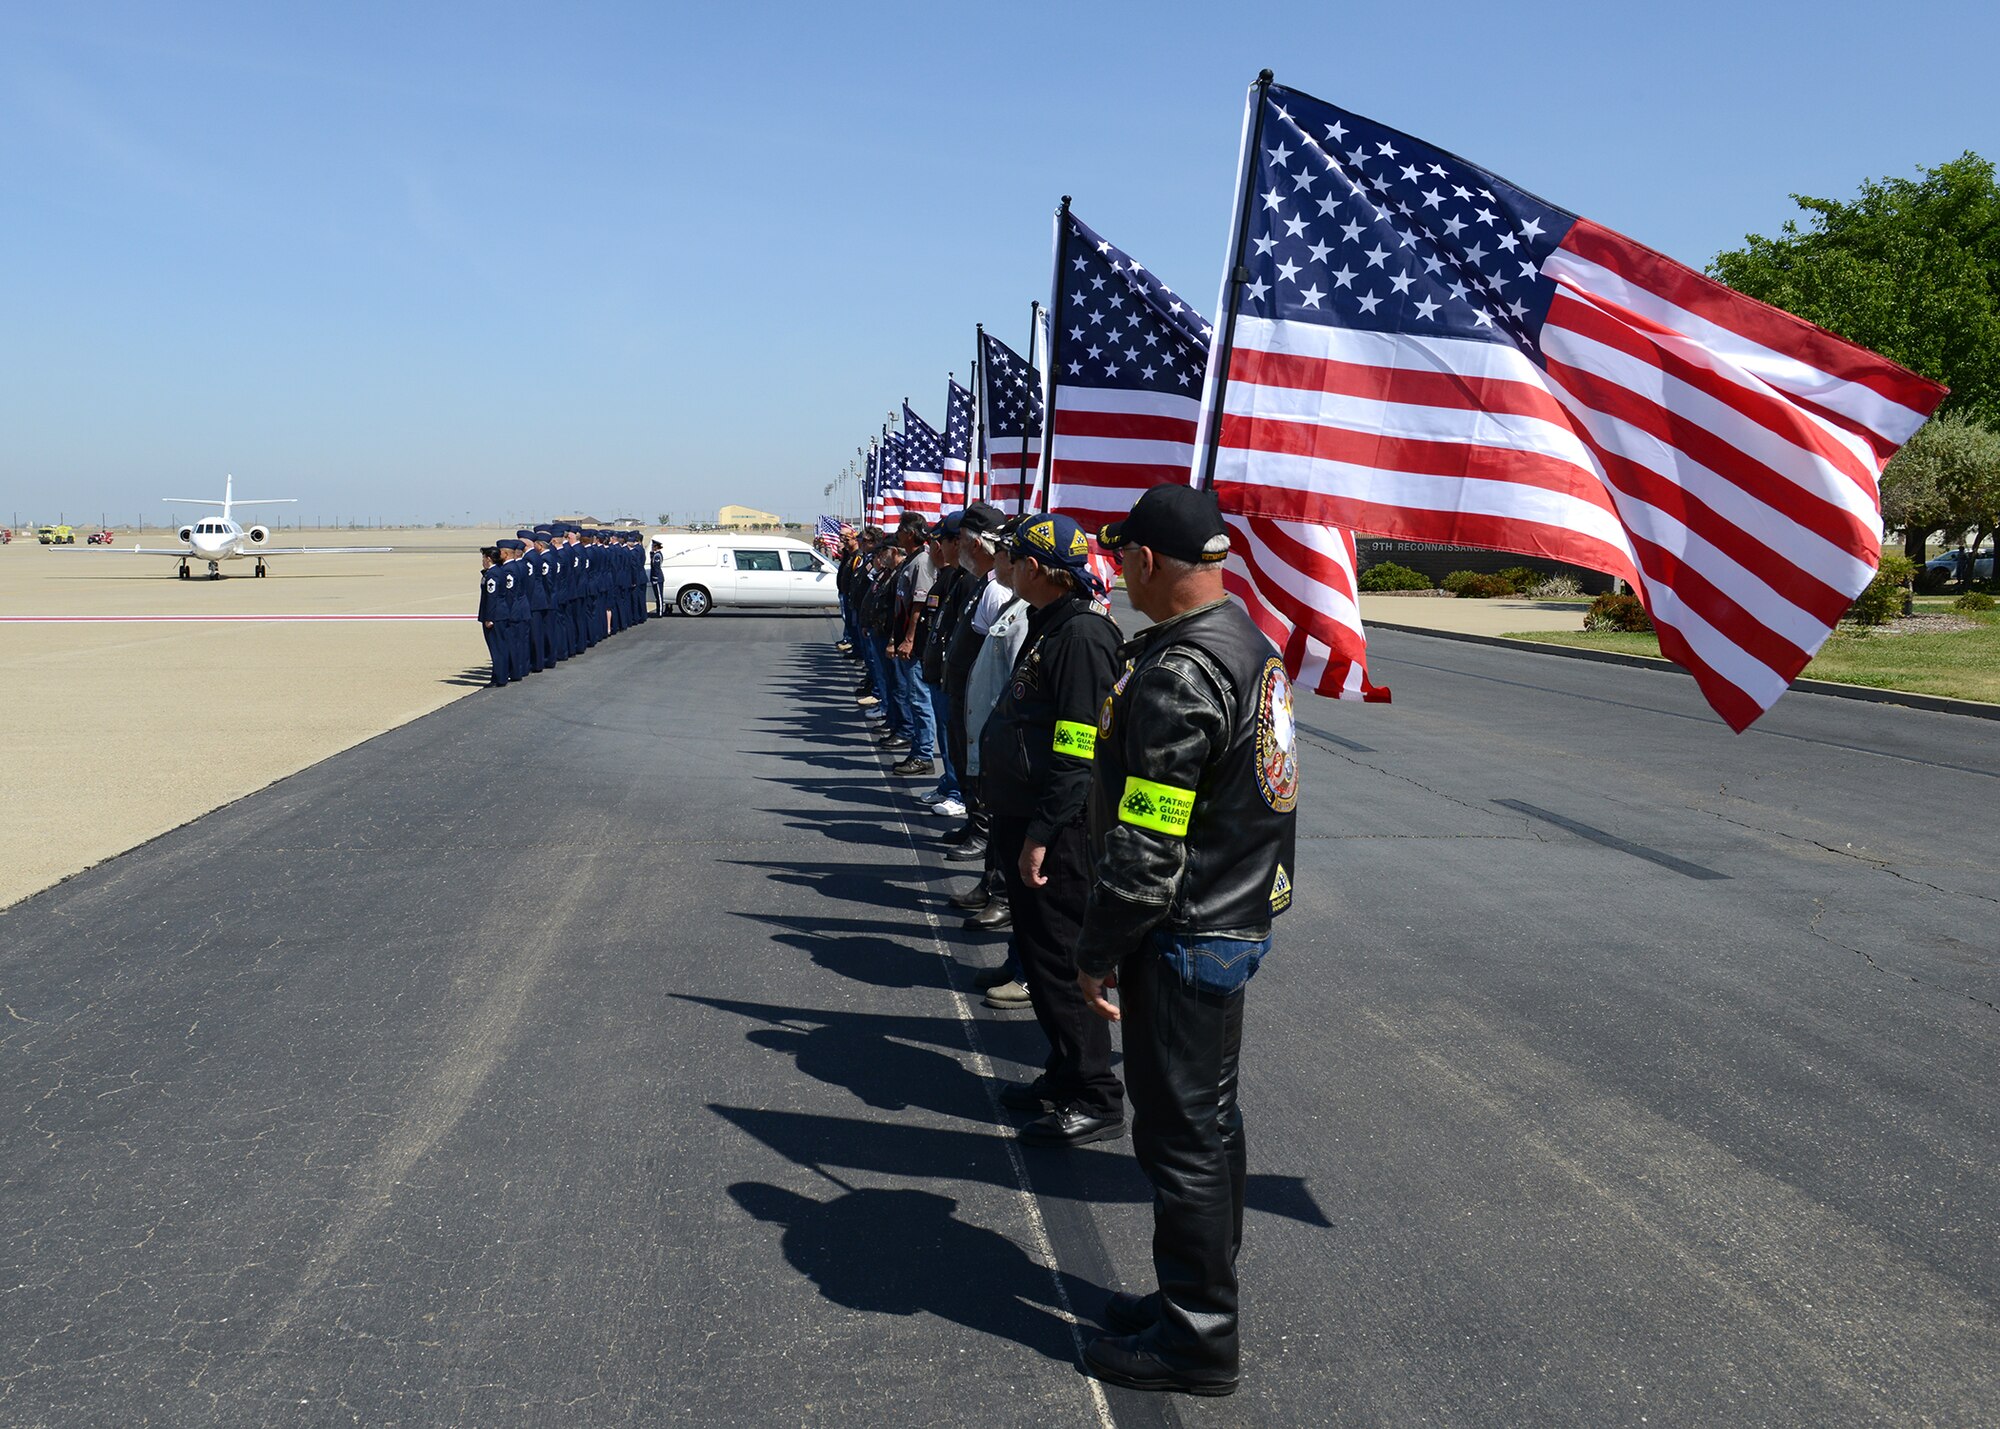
{"points": [[218, 539]]}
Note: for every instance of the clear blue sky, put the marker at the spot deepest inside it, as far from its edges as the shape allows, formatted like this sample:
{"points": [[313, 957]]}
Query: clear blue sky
{"points": [[429, 261]]}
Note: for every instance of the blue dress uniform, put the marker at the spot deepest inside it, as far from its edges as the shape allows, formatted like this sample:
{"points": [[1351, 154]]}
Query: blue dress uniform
{"points": [[546, 561], [558, 645], [586, 592], [513, 610], [489, 603], [600, 587], [531, 583]]}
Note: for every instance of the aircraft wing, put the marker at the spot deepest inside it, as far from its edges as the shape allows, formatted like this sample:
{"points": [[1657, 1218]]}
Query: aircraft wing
{"points": [[321, 551], [125, 550]]}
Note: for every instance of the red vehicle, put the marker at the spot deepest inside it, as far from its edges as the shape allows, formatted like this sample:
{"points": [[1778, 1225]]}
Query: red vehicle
{"points": [[101, 538]]}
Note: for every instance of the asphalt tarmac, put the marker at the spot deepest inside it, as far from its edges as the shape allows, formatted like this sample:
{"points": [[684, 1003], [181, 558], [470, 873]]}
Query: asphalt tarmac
{"points": [[597, 1052]]}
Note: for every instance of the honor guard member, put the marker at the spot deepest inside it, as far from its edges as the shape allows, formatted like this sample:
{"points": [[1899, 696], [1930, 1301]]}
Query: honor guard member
{"points": [[550, 560], [573, 588], [489, 603], [600, 583], [1035, 761], [587, 595], [614, 592], [1191, 824], [537, 597], [511, 615], [558, 588], [657, 564]]}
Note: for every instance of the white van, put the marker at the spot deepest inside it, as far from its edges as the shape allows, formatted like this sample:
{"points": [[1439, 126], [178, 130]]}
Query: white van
{"points": [[703, 572]]}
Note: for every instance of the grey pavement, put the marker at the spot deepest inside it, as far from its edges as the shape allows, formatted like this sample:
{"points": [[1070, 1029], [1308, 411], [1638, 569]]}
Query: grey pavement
{"points": [[597, 1052]]}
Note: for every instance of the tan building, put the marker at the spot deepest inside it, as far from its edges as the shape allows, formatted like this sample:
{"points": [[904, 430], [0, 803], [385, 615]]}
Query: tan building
{"points": [[743, 518]]}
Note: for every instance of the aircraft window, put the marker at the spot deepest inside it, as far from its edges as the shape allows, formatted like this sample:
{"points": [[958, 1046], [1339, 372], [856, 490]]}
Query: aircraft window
{"points": [[757, 561]]}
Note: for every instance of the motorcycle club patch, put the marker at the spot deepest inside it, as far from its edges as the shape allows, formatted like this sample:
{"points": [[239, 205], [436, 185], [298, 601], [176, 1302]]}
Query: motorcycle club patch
{"points": [[1277, 740], [1028, 671], [1105, 715], [1281, 891], [1042, 536]]}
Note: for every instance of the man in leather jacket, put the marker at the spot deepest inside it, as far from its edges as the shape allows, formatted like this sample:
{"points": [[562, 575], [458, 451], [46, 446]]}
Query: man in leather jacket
{"points": [[1192, 810], [1034, 755]]}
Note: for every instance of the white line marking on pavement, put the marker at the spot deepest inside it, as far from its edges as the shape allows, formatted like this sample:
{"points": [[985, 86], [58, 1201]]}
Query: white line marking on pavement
{"points": [[202, 619], [982, 1066]]}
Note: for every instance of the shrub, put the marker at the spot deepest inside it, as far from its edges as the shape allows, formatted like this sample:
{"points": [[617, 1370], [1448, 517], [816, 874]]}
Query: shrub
{"points": [[1617, 612], [1480, 587], [1456, 580], [1387, 575], [1882, 600], [1555, 588], [1521, 578], [1973, 600]]}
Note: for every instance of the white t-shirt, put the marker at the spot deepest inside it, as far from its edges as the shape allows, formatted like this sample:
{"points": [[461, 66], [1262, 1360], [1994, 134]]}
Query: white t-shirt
{"points": [[993, 598]]}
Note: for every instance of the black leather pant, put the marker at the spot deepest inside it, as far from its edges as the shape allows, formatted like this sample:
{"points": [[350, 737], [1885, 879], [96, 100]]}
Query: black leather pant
{"points": [[1046, 923], [1181, 1051]]}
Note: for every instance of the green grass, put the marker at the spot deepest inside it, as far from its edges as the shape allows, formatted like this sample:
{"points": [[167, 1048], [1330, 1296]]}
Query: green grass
{"points": [[1963, 665]]}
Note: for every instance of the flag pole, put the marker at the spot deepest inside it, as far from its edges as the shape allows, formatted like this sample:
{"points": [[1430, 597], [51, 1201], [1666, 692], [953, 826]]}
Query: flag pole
{"points": [[1046, 468], [979, 409], [1020, 476], [1234, 277]]}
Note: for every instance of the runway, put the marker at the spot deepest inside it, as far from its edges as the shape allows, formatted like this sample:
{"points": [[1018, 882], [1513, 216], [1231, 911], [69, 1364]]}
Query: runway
{"points": [[597, 1051]]}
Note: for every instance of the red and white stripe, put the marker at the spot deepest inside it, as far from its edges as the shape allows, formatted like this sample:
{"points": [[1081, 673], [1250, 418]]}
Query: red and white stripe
{"points": [[1110, 445], [923, 493], [1718, 454], [1296, 578], [955, 484], [1013, 473]]}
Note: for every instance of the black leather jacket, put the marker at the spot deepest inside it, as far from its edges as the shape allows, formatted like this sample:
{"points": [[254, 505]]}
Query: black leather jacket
{"points": [[1197, 777], [1035, 749]]}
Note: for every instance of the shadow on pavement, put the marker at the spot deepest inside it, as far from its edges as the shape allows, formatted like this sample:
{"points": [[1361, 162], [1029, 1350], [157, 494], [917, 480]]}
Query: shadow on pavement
{"points": [[905, 1252], [919, 1153]]}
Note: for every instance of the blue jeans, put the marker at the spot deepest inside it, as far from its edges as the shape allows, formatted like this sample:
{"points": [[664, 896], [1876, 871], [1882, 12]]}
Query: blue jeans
{"points": [[1220, 965], [922, 724], [940, 703], [895, 699]]}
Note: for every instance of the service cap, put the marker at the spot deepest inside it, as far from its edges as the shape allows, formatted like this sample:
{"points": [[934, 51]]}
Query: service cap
{"points": [[1179, 521]]}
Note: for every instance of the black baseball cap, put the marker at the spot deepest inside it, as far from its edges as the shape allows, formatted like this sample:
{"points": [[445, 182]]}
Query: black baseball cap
{"points": [[1179, 521]]}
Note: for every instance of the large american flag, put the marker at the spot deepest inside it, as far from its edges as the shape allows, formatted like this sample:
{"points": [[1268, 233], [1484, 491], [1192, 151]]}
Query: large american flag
{"points": [[889, 479], [923, 466], [1129, 358], [870, 484], [957, 445], [1425, 351], [1010, 402]]}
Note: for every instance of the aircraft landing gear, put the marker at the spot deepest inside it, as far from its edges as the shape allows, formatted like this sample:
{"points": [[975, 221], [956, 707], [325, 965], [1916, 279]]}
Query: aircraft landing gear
{"points": [[260, 566], [185, 575], [215, 570]]}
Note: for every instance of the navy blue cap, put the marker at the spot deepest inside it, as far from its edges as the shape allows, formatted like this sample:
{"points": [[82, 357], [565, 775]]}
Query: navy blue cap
{"points": [[1056, 541], [947, 528], [508, 543]]}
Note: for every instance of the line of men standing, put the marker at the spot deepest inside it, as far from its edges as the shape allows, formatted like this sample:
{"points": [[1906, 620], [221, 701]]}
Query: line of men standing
{"points": [[552, 591], [1136, 798]]}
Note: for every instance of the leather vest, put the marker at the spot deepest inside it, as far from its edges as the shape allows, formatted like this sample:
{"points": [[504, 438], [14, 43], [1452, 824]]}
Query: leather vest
{"points": [[1239, 837]]}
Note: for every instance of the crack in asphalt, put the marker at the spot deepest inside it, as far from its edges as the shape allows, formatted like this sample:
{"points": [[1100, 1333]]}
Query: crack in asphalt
{"points": [[1819, 912]]}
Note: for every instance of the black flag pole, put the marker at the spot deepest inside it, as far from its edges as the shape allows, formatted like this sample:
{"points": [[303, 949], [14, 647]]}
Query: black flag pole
{"points": [[1234, 277], [1021, 476], [1044, 470], [984, 480]]}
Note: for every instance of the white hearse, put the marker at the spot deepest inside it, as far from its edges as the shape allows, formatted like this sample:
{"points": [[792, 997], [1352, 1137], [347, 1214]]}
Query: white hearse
{"points": [[706, 571]]}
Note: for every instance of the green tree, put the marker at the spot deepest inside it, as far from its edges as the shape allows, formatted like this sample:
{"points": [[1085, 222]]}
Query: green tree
{"points": [[1946, 478], [1911, 269]]}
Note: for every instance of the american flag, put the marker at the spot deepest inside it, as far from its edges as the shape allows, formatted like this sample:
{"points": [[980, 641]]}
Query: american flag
{"points": [[923, 466], [1010, 400], [957, 445], [1129, 359], [828, 533], [1425, 351], [871, 487], [889, 480]]}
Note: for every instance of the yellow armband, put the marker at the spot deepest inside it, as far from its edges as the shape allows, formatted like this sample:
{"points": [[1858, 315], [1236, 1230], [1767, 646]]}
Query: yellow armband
{"points": [[1077, 739], [1156, 806]]}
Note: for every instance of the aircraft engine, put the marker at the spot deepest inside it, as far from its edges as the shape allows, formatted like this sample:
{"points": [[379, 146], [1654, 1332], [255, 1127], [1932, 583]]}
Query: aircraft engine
{"points": [[185, 534], [259, 535]]}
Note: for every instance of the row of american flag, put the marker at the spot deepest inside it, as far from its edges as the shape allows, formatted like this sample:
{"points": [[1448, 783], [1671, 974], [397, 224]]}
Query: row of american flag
{"points": [[1412, 347]]}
